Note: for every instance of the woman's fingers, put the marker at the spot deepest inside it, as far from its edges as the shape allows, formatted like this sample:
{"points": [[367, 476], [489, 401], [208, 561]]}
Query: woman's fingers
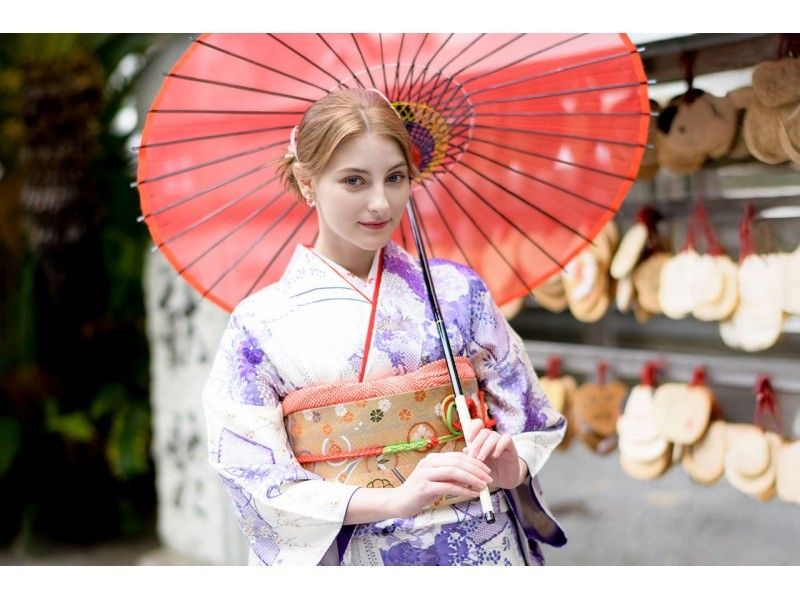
{"points": [[455, 459], [442, 488], [488, 446], [502, 445], [472, 428], [449, 473], [478, 442]]}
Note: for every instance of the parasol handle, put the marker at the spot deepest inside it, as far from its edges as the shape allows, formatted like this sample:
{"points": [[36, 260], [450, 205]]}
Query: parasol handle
{"points": [[461, 404], [464, 416]]}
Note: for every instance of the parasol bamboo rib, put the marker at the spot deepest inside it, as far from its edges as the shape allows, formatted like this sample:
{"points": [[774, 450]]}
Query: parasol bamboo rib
{"points": [[261, 65], [215, 213], [440, 71], [397, 66], [260, 238], [239, 87], [561, 135], [219, 160], [544, 182], [504, 217], [280, 251], [493, 71], [335, 53], [410, 71], [548, 158], [425, 69], [303, 56], [230, 233], [197, 194], [558, 71], [482, 233], [435, 205], [363, 60], [242, 112], [210, 137], [466, 150], [542, 211], [461, 84]]}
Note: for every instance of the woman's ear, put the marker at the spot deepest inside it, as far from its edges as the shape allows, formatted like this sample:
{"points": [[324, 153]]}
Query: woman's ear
{"points": [[303, 181]]}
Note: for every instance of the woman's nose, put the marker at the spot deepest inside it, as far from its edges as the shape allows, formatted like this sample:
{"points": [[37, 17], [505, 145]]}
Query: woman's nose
{"points": [[378, 200]]}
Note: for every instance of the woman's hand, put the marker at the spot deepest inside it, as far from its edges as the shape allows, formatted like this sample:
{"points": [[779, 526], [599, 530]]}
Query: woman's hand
{"points": [[495, 450], [436, 475]]}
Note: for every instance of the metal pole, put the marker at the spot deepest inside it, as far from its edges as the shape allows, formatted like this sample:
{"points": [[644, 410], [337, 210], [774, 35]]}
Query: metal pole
{"points": [[461, 403]]}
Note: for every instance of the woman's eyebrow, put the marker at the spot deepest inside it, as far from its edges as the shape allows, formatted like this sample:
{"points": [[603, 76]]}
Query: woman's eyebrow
{"points": [[361, 170]]}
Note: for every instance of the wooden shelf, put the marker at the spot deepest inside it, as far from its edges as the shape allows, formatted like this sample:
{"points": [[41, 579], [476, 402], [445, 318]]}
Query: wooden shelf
{"points": [[739, 372], [716, 52]]}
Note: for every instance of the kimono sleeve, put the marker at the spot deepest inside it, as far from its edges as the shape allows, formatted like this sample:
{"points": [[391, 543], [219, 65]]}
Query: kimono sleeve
{"points": [[289, 515], [519, 406]]}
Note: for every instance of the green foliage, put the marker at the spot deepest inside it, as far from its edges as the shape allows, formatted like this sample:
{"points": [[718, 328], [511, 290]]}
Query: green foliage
{"points": [[127, 446], [94, 427], [10, 442], [74, 427]]}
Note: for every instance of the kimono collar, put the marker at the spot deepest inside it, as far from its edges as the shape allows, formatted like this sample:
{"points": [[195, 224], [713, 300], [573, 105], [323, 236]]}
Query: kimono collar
{"points": [[308, 270]]}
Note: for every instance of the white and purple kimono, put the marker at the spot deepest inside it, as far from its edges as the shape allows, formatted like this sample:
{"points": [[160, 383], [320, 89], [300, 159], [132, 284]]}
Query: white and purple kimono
{"points": [[320, 324]]}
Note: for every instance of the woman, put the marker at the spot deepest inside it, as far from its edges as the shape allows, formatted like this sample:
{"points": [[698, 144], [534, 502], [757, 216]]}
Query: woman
{"points": [[350, 312]]}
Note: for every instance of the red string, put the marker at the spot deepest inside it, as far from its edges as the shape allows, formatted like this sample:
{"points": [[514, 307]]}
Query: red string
{"points": [[699, 377], [649, 373], [648, 216], [488, 422], [745, 233], [690, 233], [701, 217], [767, 403], [602, 370], [554, 367]]}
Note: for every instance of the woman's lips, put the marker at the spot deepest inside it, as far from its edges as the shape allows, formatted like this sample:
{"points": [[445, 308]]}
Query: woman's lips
{"points": [[374, 226]]}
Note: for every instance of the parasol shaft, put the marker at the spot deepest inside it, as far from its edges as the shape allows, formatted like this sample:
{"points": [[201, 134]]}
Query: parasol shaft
{"points": [[461, 404]]}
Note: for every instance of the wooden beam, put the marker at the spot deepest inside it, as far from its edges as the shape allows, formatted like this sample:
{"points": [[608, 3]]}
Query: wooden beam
{"points": [[716, 52]]}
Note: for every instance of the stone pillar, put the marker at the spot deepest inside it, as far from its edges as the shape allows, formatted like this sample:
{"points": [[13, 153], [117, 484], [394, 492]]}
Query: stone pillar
{"points": [[196, 523]]}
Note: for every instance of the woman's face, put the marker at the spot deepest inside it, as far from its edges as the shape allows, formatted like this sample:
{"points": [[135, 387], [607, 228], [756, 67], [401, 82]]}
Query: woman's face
{"points": [[366, 181]]}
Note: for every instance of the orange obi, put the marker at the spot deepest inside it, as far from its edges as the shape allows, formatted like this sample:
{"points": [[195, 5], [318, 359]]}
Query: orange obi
{"points": [[374, 433]]}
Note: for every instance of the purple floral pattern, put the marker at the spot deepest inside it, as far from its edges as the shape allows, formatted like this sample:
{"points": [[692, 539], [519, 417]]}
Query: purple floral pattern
{"points": [[278, 341]]}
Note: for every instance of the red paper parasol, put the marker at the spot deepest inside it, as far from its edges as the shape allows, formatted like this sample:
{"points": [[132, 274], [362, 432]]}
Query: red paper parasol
{"points": [[528, 144]]}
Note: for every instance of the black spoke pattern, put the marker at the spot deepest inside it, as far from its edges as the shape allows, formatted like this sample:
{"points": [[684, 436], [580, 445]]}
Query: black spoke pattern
{"points": [[207, 251], [261, 65], [239, 87], [217, 212], [167, 175], [438, 87], [543, 157], [283, 247], [501, 215]]}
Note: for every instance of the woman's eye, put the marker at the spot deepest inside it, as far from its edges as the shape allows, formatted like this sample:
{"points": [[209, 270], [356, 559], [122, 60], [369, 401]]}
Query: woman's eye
{"points": [[352, 180], [396, 177]]}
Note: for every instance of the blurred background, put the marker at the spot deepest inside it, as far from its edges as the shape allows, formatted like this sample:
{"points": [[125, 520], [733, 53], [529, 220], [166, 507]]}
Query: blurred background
{"points": [[103, 351]]}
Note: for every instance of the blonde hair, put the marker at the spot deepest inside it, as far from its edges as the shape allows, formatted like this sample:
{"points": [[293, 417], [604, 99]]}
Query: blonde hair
{"points": [[333, 119]]}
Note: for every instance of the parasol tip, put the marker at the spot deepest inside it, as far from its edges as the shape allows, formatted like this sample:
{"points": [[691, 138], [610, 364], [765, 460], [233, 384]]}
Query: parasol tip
{"points": [[489, 516], [134, 184], [140, 219], [641, 49]]}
